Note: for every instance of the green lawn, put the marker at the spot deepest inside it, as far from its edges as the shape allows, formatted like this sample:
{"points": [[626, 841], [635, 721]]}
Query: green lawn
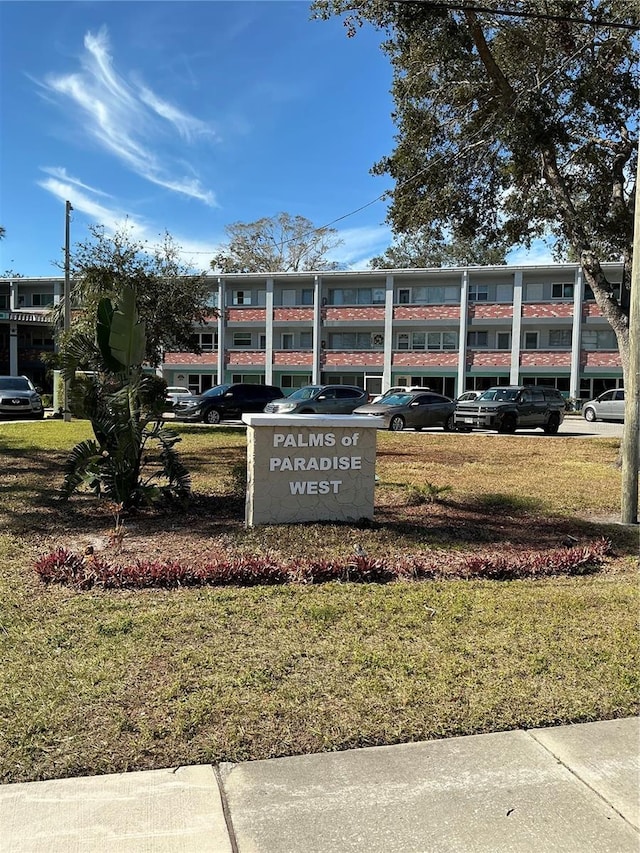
{"points": [[100, 682]]}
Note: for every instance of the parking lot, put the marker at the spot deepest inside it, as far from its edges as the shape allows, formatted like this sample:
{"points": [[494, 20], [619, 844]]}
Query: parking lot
{"points": [[573, 426]]}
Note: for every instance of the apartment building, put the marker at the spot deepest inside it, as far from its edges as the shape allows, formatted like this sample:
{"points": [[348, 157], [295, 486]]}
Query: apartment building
{"points": [[25, 327], [449, 329]]}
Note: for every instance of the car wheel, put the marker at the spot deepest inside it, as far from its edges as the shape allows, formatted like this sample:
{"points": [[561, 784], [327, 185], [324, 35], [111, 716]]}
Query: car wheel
{"points": [[396, 424], [553, 425], [449, 425], [589, 414], [508, 424], [212, 417]]}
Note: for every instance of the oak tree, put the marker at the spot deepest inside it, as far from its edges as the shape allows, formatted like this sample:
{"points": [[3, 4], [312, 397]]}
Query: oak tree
{"points": [[515, 121], [281, 243]]}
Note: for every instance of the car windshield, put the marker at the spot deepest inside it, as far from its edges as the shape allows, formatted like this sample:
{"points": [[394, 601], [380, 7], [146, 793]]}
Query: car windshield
{"points": [[305, 393], [499, 394], [216, 391], [14, 383], [397, 399]]}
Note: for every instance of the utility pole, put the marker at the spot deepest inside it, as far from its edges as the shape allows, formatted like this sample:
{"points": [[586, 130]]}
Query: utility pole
{"points": [[630, 446], [67, 299]]}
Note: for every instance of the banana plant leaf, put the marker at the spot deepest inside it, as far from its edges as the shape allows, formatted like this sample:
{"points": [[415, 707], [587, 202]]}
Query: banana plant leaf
{"points": [[128, 339]]}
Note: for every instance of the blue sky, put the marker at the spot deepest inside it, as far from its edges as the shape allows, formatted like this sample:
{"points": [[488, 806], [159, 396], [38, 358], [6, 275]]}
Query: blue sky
{"points": [[186, 117]]}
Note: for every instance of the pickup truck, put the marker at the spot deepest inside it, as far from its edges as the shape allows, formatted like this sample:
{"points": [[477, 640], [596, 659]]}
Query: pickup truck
{"points": [[507, 408]]}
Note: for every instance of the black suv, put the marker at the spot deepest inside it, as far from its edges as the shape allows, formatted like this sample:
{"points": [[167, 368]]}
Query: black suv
{"points": [[226, 401], [506, 408]]}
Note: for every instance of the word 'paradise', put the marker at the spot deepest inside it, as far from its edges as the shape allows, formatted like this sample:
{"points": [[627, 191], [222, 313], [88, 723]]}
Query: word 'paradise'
{"points": [[314, 463]]}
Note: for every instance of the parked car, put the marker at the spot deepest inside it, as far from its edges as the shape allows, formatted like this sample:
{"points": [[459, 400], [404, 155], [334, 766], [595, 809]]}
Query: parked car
{"points": [[399, 389], [175, 393], [319, 400], [225, 401], [468, 395], [19, 398], [506, 408], [607, 407], [415, 410]]}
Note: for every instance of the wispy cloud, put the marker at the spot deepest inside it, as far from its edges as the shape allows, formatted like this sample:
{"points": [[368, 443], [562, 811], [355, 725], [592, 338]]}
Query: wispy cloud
{"points": [[193, 253], [61, 174], [129, 120], [361, 244]]}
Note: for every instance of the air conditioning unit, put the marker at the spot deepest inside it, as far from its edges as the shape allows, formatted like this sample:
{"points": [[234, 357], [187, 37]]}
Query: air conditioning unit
{"points": [[377, 339]]}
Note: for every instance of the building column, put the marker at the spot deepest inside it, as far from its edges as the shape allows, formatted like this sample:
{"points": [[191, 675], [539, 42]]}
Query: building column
{"points": [[516, 328], [576, 336], [268, 349], [222, 309], [316, 367], [13, 295], [388, 334], [462, 334], [13, 349]]}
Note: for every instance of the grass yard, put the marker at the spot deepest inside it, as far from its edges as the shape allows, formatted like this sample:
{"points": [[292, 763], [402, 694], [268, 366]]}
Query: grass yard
{"points": [[97, 682]]}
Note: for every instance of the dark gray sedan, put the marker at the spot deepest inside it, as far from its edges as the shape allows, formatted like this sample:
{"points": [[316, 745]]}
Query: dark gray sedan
{"points": [[416, 410]]}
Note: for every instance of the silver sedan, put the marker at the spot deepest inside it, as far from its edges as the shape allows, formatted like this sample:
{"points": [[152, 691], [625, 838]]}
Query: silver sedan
{"points": [[417, 410]]}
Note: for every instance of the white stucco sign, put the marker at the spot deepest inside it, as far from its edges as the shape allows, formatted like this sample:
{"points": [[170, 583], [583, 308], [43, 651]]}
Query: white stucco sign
{"points": [[310, 468]]}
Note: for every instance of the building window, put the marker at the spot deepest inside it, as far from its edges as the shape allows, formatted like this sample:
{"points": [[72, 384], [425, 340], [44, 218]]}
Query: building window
{"points": [[306, 340], [242, 340], [604, 339], [478, 340], [249, 378], [286, 340], [288, 297], [427, 340], [560, 290], [404, 295], [205, 341], [478, 293], [560, 338], [306, 296], [262, 341], [503, 340], [241, 297], [350, 340], [4, 302], [531, 340], [295, 381], [535, 293], [356, 296], [42, 300]]}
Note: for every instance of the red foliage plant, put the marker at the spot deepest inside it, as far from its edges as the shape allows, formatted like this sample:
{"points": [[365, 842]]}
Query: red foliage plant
{"points": [[90, 570]]}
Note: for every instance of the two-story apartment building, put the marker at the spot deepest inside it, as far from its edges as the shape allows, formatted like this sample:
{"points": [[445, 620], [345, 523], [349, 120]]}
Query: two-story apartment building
{"points": [[449, 329], [25, 327]]}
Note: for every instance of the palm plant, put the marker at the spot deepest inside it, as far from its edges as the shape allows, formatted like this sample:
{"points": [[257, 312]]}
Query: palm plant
{"points": [[132, 459]]}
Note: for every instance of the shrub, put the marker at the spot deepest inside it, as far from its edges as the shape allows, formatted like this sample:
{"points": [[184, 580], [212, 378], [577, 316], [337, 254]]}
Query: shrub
{"points": [[90, 570]]}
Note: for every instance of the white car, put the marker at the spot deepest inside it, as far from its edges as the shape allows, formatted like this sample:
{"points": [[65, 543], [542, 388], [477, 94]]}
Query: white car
{"points": [[468, 395], [607, 407], [398, 389], [174, 393]]}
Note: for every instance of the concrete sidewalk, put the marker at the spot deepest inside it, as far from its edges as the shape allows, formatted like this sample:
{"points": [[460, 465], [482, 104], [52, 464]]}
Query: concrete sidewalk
{"points": [[570, 788]]}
